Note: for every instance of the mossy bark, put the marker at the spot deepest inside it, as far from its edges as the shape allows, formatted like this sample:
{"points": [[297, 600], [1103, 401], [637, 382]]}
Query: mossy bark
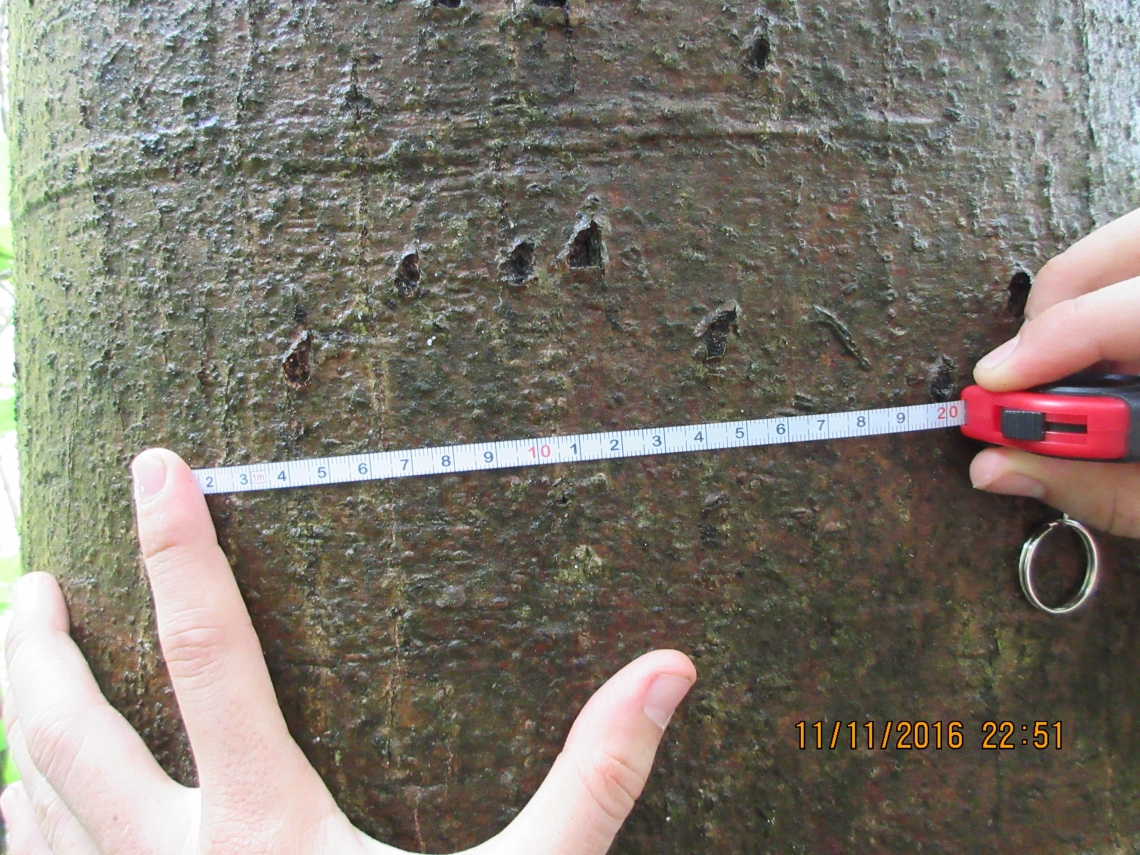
{"points": [[252, 231]]}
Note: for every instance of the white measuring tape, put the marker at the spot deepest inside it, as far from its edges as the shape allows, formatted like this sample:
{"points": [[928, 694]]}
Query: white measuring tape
{"points": [[546, 451]]}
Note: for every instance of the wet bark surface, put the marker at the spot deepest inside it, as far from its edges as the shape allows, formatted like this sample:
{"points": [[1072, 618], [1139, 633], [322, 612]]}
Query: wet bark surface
{"points": [[250, 231]]}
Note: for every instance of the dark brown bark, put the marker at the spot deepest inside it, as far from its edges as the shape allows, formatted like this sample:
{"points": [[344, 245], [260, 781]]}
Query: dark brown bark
{"points": [[255, 231]]}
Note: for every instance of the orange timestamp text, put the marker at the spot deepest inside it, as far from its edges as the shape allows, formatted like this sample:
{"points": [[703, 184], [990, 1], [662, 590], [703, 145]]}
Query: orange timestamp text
{"points": [[923, 735]]}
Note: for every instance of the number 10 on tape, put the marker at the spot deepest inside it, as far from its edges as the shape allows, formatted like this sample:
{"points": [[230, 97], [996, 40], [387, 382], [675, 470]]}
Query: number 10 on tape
{"points": [[544, 451]]}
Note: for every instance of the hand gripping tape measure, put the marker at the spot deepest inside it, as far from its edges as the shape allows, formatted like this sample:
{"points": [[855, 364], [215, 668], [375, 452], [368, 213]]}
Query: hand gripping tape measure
{"points": [[1084, 417]]}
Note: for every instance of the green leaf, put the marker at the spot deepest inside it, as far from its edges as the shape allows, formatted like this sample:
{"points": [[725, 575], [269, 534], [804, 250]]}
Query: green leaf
{"points": [[9, 573], [6, 244], [6, 251], [10, 773], [7, 414], [9, 569]]}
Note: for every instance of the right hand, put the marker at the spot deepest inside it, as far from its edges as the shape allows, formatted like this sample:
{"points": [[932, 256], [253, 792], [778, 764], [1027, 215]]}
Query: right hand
{"points": [[1083, 312]]}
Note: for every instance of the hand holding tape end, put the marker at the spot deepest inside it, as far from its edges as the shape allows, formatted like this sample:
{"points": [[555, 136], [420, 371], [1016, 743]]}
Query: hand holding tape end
{"points": [[1078, 355]]}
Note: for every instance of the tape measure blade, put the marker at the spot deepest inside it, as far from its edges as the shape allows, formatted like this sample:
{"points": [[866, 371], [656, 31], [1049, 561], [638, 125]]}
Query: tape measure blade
{"points": [[212, 481], [337, 470], [245, 480], [764, 432], [605, 445], [485, 456], [489, 456], [613, 445], [640, 443], [716, 438], [318, 471], [569, 448], [584, 446], [739, 433]]}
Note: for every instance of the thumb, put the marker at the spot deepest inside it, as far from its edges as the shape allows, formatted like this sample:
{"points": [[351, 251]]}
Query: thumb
{"points": [[606, 760], [1067, 337], [1105, 496]]}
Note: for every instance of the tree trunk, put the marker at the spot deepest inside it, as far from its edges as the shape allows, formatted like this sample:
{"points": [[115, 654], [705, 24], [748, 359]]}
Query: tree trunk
{"points": [[254, 231]]}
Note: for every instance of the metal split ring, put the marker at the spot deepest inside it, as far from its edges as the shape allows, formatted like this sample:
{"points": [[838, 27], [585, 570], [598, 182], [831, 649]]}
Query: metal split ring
{"points": [[1092, 565]]}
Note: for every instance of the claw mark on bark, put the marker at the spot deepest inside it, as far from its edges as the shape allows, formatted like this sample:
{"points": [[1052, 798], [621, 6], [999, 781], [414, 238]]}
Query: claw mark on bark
{"points": [[519, 265], [552, 17], [843, 334], [379, 391], [940, 376], [758, 47], [715, 328], [416, 819], [1019, 287], [713, 503], [295, 363], [758, 51], [408, 275], [586, 248], [399, 581]]}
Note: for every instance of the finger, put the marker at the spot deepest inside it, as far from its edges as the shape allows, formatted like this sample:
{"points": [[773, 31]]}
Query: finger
{"points": [[606, 760], [1066, 338], [243, 750], [1105, 496], [87, 753], [1109, 255], [61, 831], [24, 836]]}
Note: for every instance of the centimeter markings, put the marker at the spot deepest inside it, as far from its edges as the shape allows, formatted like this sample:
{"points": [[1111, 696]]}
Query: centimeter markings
{"points": [[513, 453]]}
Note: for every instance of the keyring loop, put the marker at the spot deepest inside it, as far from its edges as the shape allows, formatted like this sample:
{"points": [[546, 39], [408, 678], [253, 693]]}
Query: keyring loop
{"points": [[1092, 565]]}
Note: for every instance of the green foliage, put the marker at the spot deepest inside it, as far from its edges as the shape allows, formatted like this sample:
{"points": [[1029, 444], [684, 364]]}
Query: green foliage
{"points": [[6, 253], [9, 774], [9, 566], [9, 573], [7, 414]]}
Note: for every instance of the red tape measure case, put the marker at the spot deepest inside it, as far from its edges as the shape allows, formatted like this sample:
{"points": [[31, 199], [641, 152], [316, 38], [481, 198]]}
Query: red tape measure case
{"points": [[1083, 417]]}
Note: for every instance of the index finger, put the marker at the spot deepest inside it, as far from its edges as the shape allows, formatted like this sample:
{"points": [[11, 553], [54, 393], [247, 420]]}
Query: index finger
{"points": [[241, 745], [1066, 338], [1109, 255]]}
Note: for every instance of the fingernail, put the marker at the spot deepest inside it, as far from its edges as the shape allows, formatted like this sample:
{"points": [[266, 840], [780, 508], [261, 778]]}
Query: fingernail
{"points": [[149, 472], [663, 696], [1015, 484], [996, 357]]}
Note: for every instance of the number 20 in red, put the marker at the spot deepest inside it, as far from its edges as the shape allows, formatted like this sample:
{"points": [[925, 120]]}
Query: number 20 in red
{"points": [[949, 411]]}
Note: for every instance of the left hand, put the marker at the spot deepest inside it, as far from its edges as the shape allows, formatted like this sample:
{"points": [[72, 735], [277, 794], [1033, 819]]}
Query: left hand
{"points": [[89, 784]]}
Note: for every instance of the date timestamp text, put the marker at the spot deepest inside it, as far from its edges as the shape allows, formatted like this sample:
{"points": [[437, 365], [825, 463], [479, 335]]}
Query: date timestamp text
{"points": [[923, 735]]}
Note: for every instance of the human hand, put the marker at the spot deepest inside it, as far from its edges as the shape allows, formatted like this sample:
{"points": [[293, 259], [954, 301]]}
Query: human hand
{"points": [[89, 784], [1084, 310]]}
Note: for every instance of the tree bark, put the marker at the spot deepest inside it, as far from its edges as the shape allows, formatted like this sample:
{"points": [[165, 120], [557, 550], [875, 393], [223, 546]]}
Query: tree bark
{"points": [[255, 231]]}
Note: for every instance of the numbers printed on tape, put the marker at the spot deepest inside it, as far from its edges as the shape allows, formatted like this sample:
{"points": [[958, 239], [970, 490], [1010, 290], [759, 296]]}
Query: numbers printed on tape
{"points": [[544, 451]]}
